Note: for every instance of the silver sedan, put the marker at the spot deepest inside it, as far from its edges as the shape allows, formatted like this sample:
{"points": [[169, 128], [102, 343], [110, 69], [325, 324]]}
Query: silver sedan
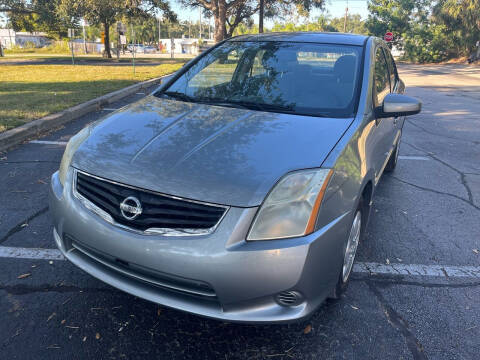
{"points": [[241, 188]]}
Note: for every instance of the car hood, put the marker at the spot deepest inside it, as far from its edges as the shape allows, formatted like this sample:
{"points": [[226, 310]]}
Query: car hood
{"points": [[210, 153]]}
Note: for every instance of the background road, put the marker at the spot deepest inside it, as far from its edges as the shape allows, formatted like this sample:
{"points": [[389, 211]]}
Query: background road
{"points": [[421, 303]]}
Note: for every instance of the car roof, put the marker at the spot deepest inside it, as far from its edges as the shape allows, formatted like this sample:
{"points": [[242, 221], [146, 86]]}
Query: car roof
{"points": [[310, 37]]}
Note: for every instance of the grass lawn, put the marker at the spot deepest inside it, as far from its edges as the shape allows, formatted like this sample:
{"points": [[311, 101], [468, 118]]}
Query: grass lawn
{"points": [[126, 58], [29, 92]]}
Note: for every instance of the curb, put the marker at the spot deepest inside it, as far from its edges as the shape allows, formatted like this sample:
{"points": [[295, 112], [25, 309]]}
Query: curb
{"points": [[34, 128]]}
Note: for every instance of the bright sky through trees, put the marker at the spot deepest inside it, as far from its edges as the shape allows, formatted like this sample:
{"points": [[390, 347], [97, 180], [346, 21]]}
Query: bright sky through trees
{"points": [[336, 8]]}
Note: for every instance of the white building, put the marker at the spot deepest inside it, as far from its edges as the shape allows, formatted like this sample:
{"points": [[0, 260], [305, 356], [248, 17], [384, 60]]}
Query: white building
{"points": [[9, 38], [184, 46]]}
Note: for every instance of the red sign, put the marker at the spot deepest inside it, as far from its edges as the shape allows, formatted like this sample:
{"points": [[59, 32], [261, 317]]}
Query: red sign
{"points": [[388, 36]]}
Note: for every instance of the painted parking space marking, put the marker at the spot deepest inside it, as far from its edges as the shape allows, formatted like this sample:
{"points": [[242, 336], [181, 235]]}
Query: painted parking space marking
{"points": [[445, 271], [109, 109], [44, 142], [30, 253], [408, 157]]}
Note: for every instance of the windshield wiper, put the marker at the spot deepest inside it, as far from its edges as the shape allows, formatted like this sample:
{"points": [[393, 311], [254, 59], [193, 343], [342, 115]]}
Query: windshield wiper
{"points": [[179, 96], [287, 109], [247, 105], [225, 103], [265, 107]]}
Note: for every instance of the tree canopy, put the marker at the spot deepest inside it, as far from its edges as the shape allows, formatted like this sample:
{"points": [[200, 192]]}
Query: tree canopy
{"points": [[228, 15], [427, 30], [107, 12]]}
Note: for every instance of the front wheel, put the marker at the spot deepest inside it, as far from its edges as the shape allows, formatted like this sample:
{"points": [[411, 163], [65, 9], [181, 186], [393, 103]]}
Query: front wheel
{"points": [[350, 251]]}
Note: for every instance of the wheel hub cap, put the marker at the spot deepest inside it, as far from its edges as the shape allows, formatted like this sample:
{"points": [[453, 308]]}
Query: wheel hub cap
{"points": [[352, 245]]}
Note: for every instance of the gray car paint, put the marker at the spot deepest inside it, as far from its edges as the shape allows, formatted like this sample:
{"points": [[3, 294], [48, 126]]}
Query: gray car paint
{"points": [[354, 157], [240, 271], [210, 153], [246, 275]]}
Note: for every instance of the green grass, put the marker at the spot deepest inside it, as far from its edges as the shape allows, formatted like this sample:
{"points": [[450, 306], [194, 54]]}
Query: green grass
{"points": [[29, 92], [124, 58]]}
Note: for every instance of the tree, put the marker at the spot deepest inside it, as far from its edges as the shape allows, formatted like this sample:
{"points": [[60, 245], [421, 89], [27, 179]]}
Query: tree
{"points": [[324, 22], [228, 15], [461, 19], [392, 15], [261, 15], [107, 12], [355, 24], [426, 35], [17, 6], [33, 15]]}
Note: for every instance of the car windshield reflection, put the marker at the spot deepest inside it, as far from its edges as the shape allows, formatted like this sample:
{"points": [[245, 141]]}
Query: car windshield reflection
{"points": [[297, 78]]}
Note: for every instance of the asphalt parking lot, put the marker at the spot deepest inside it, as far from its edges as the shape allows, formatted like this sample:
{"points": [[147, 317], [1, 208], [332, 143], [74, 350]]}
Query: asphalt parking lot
{"points": [[416, 287]]}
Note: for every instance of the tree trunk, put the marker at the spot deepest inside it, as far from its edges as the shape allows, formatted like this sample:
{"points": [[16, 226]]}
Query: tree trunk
{"points": [[260, 16], [107, 52], [220, 16]]}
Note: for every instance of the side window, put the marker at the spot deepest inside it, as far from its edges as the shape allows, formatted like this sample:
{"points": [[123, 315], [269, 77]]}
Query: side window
{"points": [[382, 82], [257, 66], [392, 69]]}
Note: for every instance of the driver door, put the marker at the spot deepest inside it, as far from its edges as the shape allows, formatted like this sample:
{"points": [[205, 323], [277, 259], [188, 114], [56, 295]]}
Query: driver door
{"points": [[384, 127]]}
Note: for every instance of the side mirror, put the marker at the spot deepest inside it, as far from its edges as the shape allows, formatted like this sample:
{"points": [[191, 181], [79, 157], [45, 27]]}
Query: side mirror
{"points": [[398, 105]]}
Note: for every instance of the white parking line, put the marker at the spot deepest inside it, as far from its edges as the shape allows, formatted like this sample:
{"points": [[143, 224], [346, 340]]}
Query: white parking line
{"points": [[109, 109], [408, 157], [445, 271], [44, 142], [30, 253]]}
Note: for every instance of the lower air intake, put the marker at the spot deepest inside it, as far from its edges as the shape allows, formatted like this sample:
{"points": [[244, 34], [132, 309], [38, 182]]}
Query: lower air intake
{"points": [[289, 298]]}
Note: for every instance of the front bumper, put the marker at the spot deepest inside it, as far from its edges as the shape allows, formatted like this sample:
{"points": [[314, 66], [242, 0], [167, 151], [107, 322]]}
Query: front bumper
{"points": [[219, 275]]}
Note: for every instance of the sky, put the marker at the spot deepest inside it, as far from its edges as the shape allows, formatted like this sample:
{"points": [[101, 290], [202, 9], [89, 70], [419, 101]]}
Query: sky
{"points": [[336, 8]]}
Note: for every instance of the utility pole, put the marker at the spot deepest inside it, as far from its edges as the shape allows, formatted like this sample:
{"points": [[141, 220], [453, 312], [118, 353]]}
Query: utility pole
{"points": [[200, 23], [133, 49], [189, 29], [159, 30], [119, 27], [10, 37], [209, 27], [71, 35], [84, 40], [345, 19], [260, 16]]}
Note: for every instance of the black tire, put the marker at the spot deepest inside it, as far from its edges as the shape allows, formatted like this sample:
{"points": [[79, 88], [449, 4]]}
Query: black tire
{"points": [[392, 162], [343, 282]]}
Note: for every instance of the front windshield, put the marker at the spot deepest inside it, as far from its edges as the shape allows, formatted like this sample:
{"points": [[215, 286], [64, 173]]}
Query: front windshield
{"points": [[300, 78]]}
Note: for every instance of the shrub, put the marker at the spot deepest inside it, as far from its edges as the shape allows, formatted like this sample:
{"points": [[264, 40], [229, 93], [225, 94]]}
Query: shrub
{"points": [[427, 43]]}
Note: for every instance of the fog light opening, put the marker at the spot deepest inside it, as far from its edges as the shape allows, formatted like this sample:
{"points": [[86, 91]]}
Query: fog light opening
{"points": [[289, 298]]}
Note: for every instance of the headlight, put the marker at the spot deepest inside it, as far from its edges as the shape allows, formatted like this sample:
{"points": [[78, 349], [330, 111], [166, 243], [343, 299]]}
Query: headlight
{"points": [[291, 208], [72, 146]]}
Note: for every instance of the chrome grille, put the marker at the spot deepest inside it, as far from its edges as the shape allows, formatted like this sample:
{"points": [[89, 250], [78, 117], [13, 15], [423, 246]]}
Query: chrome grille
{"points": [[160, 213]]}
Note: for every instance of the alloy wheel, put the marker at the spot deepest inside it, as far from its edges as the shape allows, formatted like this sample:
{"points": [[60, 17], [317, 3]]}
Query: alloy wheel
{"points": [[352, 245]]}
